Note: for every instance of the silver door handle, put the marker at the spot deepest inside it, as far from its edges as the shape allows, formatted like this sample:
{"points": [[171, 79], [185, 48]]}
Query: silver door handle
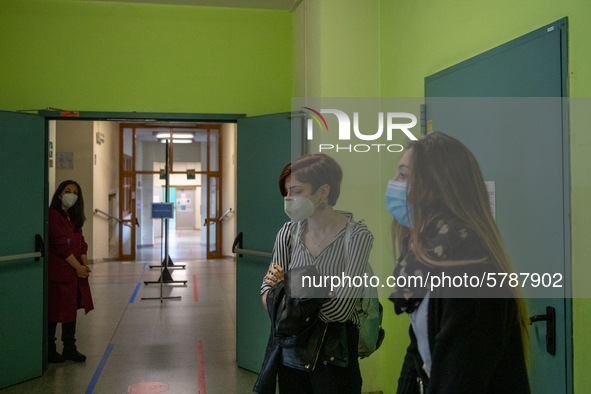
{"points": [[237, 248], [252, 252], [39, 251], [21, 256]]}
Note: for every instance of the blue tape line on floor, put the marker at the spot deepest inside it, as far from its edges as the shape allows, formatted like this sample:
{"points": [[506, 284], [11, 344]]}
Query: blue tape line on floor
{"points": [[99, 369], [137, 288], [145, 265]]}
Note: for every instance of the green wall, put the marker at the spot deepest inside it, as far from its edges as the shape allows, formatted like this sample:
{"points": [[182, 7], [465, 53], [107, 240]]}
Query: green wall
{"points": [[339, 43], [101, 56], [421, 38]]}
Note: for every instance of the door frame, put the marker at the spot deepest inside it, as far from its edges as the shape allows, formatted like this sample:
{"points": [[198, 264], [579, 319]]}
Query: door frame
{"points": [[128, 191], [560, 26]]}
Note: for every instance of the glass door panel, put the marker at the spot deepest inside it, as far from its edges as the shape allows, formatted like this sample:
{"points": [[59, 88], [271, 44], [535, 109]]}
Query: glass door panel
{"points": [[150, 148], [213, 214], [127, 216], [126, 239], [214, 150], [188, 149], [127, 194]]}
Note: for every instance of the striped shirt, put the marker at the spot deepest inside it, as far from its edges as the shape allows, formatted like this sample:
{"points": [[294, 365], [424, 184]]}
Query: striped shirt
{"points": [[330, 261]]}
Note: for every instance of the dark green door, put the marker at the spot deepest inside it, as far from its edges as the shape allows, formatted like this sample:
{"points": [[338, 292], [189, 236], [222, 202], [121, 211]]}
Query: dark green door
{"points": [[264, 146], [517, 132], [22, 218]]}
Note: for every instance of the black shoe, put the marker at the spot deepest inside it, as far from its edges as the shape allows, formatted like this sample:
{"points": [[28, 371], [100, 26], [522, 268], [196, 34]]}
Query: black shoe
{"points": [[55, 357], [74, 355]]}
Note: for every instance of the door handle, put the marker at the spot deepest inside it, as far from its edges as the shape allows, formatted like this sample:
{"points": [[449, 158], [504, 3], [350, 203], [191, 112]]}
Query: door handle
{"points": [[550, 319], [237, 242], [39, 246], [240, 251], [39, 252]]}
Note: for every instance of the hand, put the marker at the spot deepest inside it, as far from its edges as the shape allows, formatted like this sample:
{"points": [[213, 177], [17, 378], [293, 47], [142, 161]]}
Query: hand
{"points": [[274, 275], [82, 271]]}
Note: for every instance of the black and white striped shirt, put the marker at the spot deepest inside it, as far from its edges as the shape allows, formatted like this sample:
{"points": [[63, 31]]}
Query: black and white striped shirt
{"points": [[331, 261]]}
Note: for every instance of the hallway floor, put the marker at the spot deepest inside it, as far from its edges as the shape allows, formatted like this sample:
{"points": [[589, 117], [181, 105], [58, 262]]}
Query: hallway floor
{"points": [[187, 345], [184, 245]]}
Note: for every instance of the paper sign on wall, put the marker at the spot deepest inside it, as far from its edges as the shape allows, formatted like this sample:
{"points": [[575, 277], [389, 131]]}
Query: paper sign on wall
{"points": [[490, 187], [183, 201]]}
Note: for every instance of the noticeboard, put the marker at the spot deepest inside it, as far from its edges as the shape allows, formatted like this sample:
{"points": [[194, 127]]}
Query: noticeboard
{"points": [[163, 210]]}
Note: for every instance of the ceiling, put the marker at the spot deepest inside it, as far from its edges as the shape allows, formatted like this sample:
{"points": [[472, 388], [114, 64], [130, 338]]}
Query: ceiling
{"points": [[287, 5]]}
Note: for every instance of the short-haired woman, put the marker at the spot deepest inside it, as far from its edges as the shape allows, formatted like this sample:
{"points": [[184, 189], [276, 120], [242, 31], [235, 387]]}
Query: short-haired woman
{"points": [[68, 288], [315, 236]]}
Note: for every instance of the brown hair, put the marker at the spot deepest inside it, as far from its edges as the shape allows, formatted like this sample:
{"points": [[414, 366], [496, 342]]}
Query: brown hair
{"points": [[445, 177], [316, 169], [75, 212]]}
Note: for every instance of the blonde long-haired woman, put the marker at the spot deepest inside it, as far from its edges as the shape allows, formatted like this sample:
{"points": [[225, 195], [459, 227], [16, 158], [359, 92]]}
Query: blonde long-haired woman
{"points": [[463, 340]]}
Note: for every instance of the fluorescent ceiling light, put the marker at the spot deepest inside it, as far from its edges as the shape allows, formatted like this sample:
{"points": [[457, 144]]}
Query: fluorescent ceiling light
{"points": [[175, 135], [175, 141]]}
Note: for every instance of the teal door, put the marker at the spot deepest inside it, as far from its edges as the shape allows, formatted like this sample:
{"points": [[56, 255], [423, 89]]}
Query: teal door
{"points": [[22, 219], [264, 146], [517, 132]]}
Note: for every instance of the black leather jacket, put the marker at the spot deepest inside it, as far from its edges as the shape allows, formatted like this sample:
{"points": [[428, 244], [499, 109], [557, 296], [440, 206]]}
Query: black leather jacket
{"points": [[299, 340]]}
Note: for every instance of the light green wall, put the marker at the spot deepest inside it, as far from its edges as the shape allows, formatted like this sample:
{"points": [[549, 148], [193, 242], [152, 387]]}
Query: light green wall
{"points": [[350, 48], [101, 56], [421, 38], [339, 43]]}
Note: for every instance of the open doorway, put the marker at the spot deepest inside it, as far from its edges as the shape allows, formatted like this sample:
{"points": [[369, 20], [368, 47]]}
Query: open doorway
{"points": [[125, 173]]}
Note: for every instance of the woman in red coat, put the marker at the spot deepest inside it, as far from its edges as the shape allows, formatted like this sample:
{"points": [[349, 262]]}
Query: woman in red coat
{"points": [[68, 288]]}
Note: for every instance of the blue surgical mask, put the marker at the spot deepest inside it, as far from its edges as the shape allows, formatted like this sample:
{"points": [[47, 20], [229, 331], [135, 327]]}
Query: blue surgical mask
{"points": [[396, 202]]}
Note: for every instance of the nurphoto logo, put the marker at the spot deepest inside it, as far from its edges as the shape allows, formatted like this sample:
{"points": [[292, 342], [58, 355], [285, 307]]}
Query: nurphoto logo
{"points": [[345, 130]]}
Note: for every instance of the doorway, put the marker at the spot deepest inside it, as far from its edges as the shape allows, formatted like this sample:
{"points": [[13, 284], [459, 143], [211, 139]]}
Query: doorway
{"points": [[219, 170], [194, 163]]}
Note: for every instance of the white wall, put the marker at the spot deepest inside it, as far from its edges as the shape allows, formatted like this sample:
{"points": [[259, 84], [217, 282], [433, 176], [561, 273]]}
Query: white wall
{"points": [[105, 181], [78, 137]]}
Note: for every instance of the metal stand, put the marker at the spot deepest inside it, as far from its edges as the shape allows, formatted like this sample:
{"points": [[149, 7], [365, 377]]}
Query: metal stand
{"points": [[163, 272], [165, 276], [170, 265]]}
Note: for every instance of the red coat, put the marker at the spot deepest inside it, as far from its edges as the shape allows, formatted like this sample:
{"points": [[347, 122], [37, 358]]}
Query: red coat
{"points": [[64, 283]]}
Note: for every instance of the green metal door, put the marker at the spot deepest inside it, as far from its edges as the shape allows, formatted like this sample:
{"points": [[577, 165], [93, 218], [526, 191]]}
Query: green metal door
{"points": [[22, 219], [263, 148], [516, 129]]}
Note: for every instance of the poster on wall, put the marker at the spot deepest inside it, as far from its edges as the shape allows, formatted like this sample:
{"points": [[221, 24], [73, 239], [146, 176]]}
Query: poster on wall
{"points": [[65, 160]]}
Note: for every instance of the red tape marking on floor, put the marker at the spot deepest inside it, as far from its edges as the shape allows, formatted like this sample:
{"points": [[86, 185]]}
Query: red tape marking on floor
{"points": [[195, 288], [147, 388], [200, 368]]}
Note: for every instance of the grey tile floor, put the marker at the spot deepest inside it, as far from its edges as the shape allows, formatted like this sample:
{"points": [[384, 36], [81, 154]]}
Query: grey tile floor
{"points": [[154, 341]]}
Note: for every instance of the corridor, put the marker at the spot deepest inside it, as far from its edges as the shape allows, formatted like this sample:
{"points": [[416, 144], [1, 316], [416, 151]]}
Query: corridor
{"points": [[187, 345]]}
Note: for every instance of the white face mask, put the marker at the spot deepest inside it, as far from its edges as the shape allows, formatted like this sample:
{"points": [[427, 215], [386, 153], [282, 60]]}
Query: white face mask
{"points": [[299, 208], [69, 199]]}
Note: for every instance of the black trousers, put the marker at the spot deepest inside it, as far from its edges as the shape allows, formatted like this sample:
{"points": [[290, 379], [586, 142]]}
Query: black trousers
{"points": [[68, 336], [326, 378]]}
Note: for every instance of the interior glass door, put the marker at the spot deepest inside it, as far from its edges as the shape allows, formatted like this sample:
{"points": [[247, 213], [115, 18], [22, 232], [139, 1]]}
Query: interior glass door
{"points": [[127, 193], [214, 195]]}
